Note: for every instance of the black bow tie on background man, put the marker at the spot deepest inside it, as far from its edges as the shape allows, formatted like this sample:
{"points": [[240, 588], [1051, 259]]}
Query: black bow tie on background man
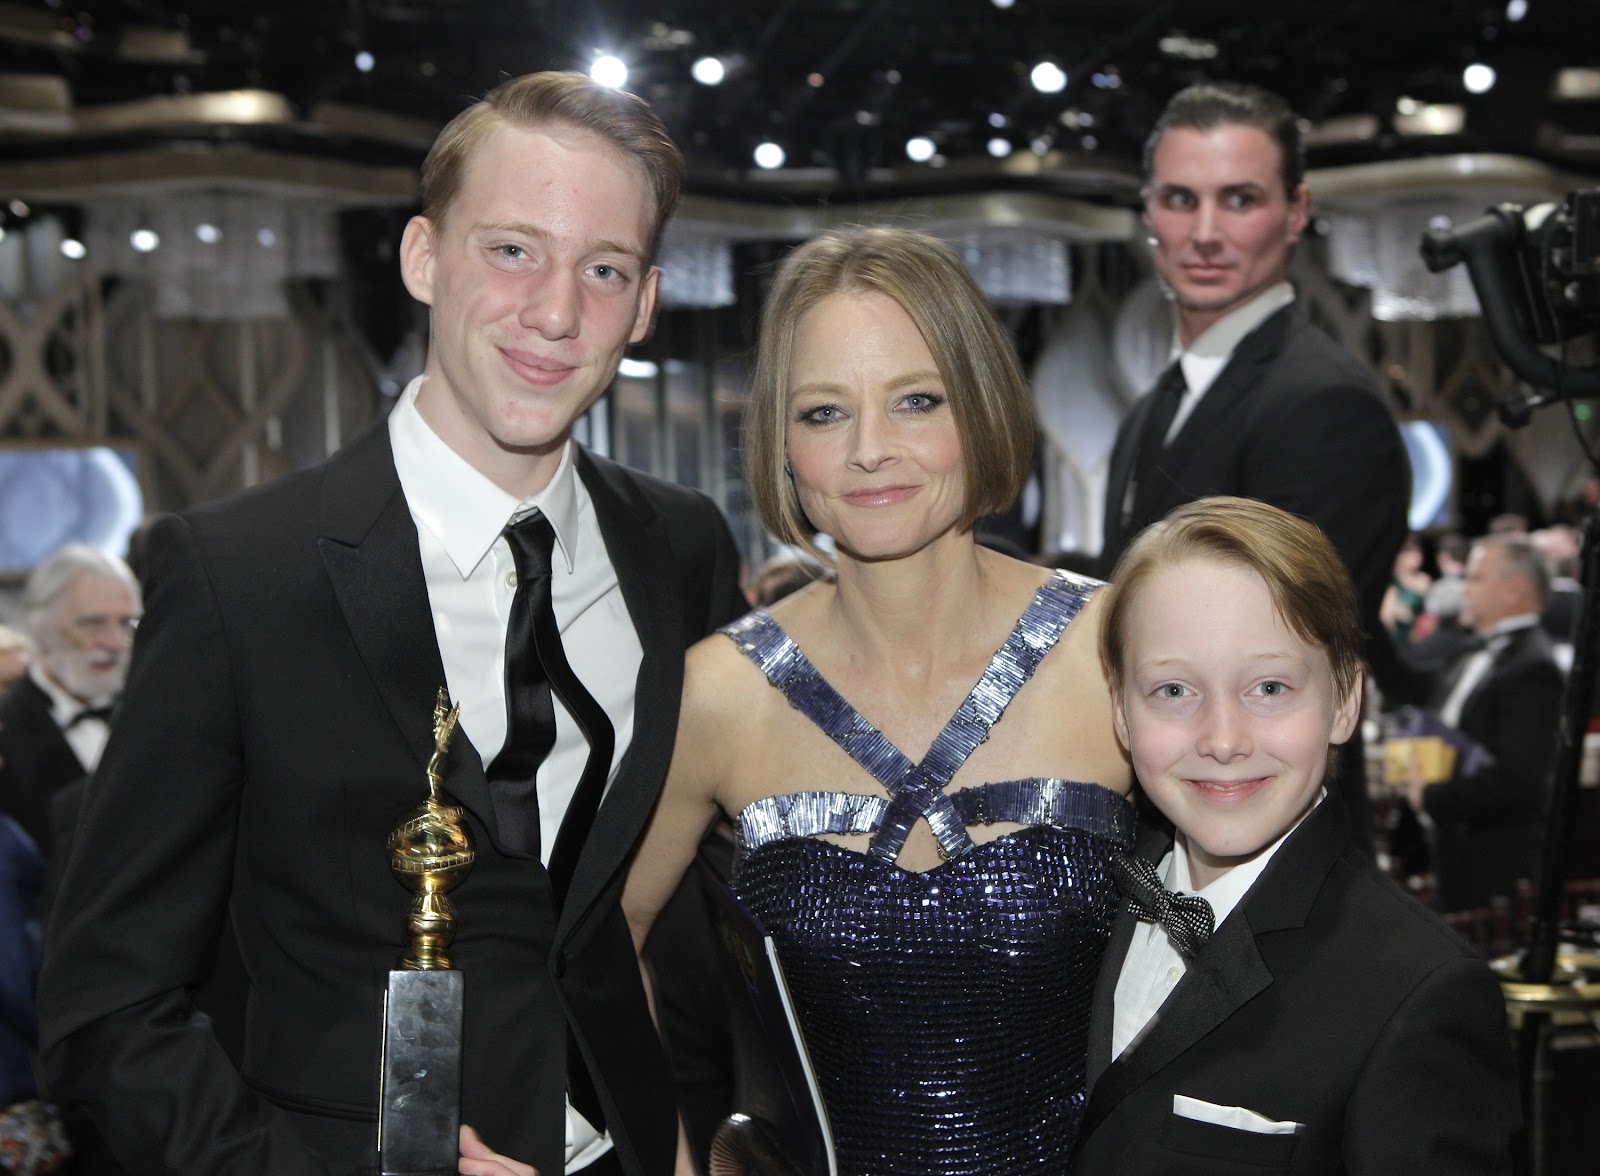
{"points": [[103, 713], [1186, 918]]}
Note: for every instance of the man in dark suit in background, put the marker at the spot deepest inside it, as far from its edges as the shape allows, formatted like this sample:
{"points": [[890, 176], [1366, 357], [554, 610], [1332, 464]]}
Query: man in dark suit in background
{"points": [[1258, 402], [279, 714], [1487, 818], [81, 606]]}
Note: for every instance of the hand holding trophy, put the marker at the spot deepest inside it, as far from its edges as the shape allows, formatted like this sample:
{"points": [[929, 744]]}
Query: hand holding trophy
{"points": [[419, 1112]]}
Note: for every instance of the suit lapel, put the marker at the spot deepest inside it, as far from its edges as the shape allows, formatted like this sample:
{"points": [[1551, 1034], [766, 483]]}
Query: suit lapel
{"points": [[368, 542], [640, 550], [1168, 486], [60, 763], [1226, 974], [1102, 1014], [1229, 970], [1517, 647]]}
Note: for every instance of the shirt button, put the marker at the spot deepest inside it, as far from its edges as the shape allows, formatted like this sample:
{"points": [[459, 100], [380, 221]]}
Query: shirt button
{"points": [[1174, 975], [511, 579]]}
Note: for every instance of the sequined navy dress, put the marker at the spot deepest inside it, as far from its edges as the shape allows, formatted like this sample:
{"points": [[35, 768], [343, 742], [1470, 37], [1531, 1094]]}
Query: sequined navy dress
{"points": [[946, 1011]]}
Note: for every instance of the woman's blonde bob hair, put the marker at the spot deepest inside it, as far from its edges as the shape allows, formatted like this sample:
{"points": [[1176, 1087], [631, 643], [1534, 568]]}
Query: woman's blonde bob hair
{"points": [[987, 393]]}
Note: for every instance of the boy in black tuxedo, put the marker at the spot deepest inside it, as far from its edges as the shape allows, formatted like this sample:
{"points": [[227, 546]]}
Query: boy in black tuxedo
{"points": [[1328, 1023]]}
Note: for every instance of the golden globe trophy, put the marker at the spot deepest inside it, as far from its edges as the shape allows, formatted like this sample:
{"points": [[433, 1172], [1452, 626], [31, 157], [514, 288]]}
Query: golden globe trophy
{"points": [[419, 1109]]}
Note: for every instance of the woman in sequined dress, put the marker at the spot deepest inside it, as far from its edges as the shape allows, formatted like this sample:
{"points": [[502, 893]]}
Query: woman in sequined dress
{"points": [[918, 754]]}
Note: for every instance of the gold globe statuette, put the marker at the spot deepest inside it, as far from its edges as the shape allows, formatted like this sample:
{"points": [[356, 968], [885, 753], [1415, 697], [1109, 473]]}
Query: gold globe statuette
{"points": [[430, 852]]}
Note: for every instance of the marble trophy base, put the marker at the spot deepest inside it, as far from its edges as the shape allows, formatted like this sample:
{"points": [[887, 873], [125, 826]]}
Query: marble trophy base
{"points": [[419, 1108]]}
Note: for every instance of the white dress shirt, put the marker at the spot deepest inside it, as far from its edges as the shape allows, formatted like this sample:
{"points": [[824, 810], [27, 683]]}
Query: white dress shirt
{"points": [[471, 577], [1153, 967], [88, 736], [1204, 359], [1476, 667]]}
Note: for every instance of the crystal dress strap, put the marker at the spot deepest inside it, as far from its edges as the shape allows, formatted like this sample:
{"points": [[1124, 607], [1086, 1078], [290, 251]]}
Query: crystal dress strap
{"points": [[916, 790]]}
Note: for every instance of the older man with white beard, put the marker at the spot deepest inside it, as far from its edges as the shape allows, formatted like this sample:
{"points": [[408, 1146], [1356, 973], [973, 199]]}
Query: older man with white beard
{"points": [[80, 607]]}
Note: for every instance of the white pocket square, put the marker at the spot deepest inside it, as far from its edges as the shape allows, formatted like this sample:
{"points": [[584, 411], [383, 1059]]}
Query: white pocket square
{"points": [[1239, 1118]]}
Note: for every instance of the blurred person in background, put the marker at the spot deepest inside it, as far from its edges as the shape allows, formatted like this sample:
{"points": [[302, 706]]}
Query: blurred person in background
{"points": [[81, 606]]}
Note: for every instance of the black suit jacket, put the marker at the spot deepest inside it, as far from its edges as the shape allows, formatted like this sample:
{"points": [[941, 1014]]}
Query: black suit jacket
{"points": [[36, 761], [1296, 421], [1489, 826], [1293, 420], [276, 725], [1328, 998]]}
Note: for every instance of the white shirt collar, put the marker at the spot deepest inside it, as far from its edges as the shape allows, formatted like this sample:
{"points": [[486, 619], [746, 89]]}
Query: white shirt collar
{"points": [[463, 509], [1225, 892], [1513, 624], [1204, 358], [63, 706]]}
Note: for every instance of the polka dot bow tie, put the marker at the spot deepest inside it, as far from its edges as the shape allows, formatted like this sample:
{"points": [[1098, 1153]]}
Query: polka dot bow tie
{"points": [[1186, 918]]}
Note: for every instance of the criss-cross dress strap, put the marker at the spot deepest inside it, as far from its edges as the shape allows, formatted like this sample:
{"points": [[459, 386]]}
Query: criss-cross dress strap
{"points": [[916, 790]]}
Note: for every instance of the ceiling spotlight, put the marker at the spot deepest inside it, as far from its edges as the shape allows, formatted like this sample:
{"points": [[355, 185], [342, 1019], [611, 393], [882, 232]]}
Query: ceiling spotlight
{"points": [[143, 240], [208, 233], [999, 148], [920, 149], [1516, 9], [365, 61], [19, 209], [708, 71], [1004, 3], [815, 80], [998, 120], [73, 249], [1405, 104], [266, 238], [1187, 48], [769, 155], [609, 71], [1478, 78], [1048, 78]]}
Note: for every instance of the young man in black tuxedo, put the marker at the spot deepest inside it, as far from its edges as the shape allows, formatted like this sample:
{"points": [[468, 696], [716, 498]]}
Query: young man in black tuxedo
{"points": [[1297, 1012], [279, 714]]}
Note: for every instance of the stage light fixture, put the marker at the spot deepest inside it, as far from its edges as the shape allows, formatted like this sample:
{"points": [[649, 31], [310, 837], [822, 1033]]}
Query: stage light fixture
{"points": [[609, 70], [1047, 78]]}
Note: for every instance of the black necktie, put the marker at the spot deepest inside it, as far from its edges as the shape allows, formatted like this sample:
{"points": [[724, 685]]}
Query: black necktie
{"points": [[1186, 918], [530, 712], [536, 663], [103, 713], [1158, 419]]}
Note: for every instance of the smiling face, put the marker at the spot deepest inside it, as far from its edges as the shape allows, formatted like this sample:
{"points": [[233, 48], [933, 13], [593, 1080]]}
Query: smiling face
{"points": [[1220, 219], [872, 441], [1225, 711], [537, 281]]}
